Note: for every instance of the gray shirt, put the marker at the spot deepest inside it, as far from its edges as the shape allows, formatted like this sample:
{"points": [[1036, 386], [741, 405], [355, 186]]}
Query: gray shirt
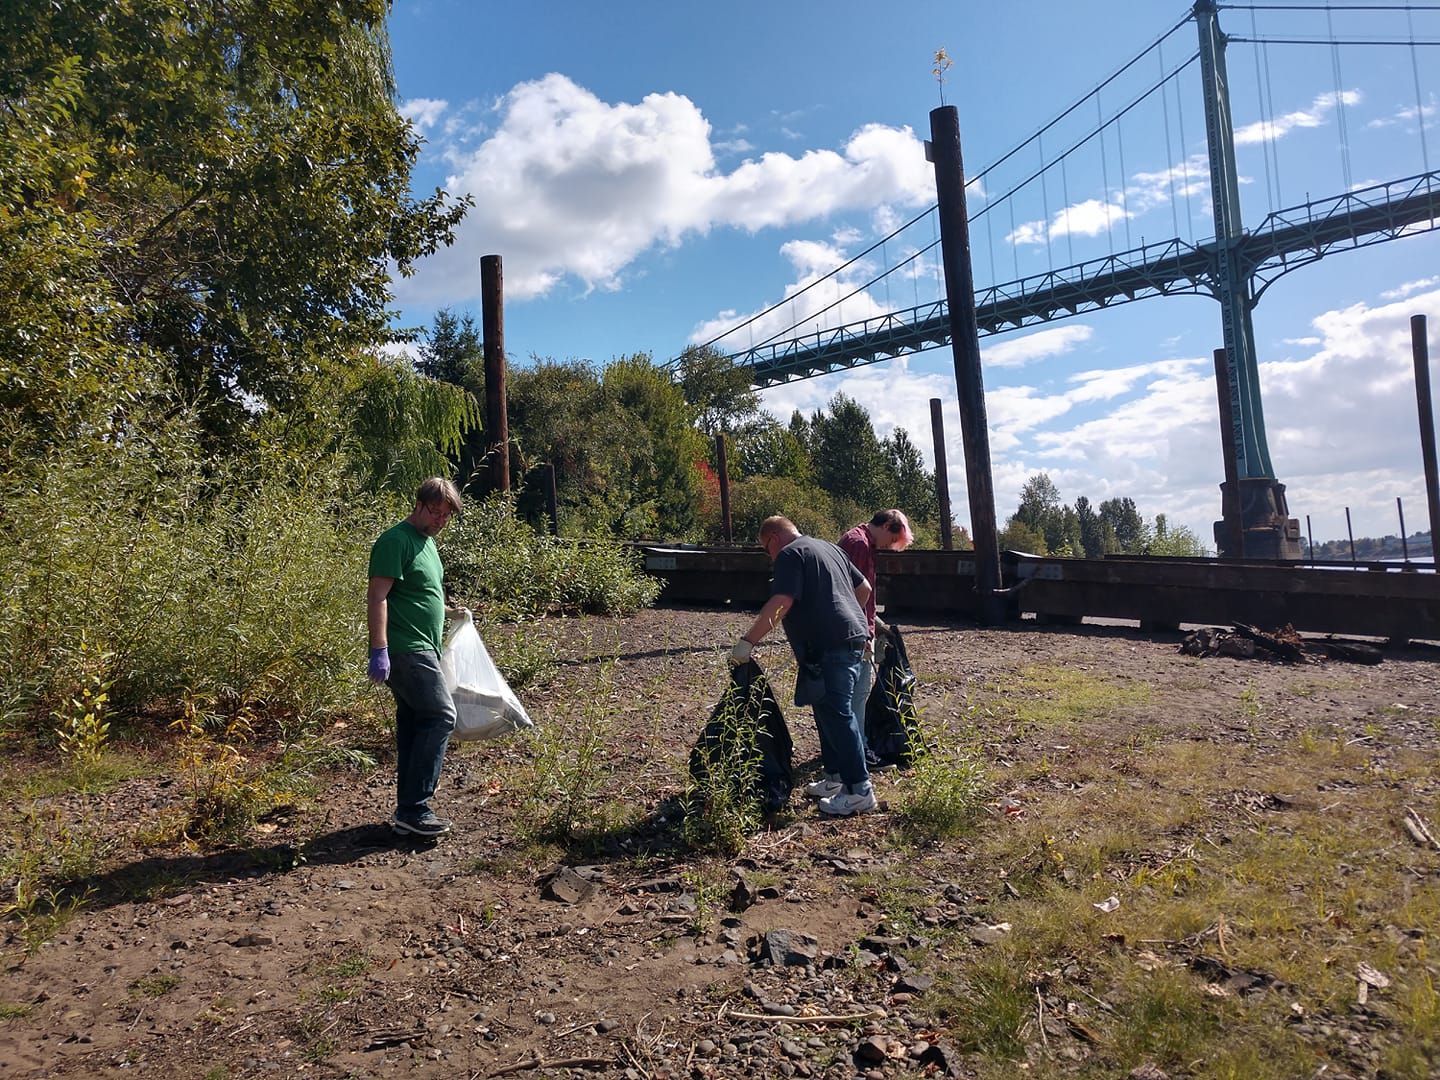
{"points": [[822, 580]]}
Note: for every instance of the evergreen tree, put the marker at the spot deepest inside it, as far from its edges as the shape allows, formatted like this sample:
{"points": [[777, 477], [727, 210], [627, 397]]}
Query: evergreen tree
{"points": [[1097, 536], [849, 462], [1131, 532], [912, 486], [453, 353]]}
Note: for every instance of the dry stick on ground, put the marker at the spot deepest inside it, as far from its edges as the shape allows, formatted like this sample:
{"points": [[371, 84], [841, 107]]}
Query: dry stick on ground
{"points": [[1418, 830], [868, 1014], [554, 1063]]}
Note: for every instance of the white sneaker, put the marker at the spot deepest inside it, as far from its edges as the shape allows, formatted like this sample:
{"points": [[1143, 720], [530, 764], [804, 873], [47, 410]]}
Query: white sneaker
{"points": [[844, 804], [827, 785]]}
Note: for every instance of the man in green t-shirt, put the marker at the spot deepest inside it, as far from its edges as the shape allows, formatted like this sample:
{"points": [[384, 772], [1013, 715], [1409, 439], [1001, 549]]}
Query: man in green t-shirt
{"points": [[405, 611]]}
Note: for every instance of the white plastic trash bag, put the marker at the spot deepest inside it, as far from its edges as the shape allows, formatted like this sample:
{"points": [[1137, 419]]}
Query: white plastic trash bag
{"points": [[485, 706]]}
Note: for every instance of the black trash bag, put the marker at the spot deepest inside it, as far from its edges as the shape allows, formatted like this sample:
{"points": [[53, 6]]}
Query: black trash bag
{"points": [[748, 711], [892, 727]]}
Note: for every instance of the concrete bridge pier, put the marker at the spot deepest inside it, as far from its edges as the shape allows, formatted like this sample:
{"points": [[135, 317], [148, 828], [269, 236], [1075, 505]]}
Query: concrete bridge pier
{"points": [[1257, 522]]}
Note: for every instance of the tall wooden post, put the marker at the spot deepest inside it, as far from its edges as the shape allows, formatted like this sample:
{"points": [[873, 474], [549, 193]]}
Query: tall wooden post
{"points": [[497, 428], [942, 479], [1230, 529], [944, 151], [1420, 348], [552, 505], [723, 472]]}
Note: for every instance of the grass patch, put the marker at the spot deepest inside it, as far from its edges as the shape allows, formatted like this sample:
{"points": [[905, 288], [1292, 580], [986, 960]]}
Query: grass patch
{"points": [[154, 986], [350, 966], [1047, 696], [41, 780], [1060, 695], [988, 1006], [47, 856], [1287, 867]]}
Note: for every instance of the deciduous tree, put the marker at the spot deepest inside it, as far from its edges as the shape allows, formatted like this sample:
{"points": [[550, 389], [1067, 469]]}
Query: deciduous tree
{"points": [[247, 173]]}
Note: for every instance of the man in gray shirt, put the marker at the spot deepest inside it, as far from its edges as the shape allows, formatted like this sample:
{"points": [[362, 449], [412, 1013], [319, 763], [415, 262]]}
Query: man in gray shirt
{"points": [[819, 597]]}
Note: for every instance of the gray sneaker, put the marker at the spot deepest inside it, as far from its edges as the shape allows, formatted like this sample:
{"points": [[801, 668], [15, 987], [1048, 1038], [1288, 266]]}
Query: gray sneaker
{"points": [[847, 803], [827, 785], [426, 825]]}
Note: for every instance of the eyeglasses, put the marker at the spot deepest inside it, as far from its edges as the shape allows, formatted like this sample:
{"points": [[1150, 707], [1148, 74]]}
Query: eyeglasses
{"points": [[442, 512]]}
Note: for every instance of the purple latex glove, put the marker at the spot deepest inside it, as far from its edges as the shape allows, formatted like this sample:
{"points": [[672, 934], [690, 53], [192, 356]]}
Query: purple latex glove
{"points": [[380, 663]]}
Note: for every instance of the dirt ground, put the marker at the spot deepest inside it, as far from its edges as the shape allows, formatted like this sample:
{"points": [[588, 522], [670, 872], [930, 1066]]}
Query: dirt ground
{"points": [[330, 949]]}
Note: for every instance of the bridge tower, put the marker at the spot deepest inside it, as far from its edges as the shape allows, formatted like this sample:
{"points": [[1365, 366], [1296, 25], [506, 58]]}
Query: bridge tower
{"points": [[1253, 502]]}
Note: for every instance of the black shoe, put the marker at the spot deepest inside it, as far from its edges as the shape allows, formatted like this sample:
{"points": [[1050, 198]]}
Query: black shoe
{"points": [[429, 825]]}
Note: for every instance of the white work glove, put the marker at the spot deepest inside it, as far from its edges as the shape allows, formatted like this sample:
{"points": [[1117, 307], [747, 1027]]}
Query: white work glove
{"points": [[741, 652]]}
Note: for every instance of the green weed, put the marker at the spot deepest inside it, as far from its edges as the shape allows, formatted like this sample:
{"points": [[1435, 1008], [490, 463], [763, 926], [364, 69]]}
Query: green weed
{"points": [[709, 893], [565, 779], [988, 1007], [722, 807], [943, 792], [350, 966], [47, 856], [1250, 704], [81, 726]]}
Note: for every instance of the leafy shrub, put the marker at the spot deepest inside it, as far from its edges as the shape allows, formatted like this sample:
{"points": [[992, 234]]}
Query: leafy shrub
{"points": [[495, 560], [239, 579], [45, 855]]}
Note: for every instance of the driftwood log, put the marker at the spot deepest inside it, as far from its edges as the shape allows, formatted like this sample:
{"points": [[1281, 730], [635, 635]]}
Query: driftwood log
{"points": [[1251, 643]]}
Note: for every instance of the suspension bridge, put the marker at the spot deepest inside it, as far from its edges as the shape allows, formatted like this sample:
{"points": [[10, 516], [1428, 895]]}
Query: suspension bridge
{"points": [[806, 335]]}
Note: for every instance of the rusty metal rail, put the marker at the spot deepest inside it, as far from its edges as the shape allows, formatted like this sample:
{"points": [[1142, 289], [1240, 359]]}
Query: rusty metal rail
{"points": [[1392, 601]]}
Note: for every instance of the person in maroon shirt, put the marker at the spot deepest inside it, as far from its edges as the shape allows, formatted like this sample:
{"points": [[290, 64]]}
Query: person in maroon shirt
{"points": [[888, 530]]}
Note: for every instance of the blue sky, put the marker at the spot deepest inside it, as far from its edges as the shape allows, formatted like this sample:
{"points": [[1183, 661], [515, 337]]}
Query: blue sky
{"points": [[652, 173]]}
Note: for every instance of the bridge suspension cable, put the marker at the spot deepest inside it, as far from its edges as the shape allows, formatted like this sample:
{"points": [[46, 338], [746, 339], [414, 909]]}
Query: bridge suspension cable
{"points": [[1126, 281], [1036, 137], [1239, 39], [1328, 7]]}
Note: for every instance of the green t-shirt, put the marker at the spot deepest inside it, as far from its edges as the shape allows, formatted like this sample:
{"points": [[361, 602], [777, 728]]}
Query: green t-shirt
{"points": [[415, 608]]}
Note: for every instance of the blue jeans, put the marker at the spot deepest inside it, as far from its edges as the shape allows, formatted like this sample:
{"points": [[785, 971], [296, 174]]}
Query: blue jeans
{"points": [[842, 744], [424, 718], [865, 682]]}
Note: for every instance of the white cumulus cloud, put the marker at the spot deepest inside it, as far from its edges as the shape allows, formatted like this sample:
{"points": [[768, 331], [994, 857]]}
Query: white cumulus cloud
{"points": [[568, 186], [424, 113]]}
